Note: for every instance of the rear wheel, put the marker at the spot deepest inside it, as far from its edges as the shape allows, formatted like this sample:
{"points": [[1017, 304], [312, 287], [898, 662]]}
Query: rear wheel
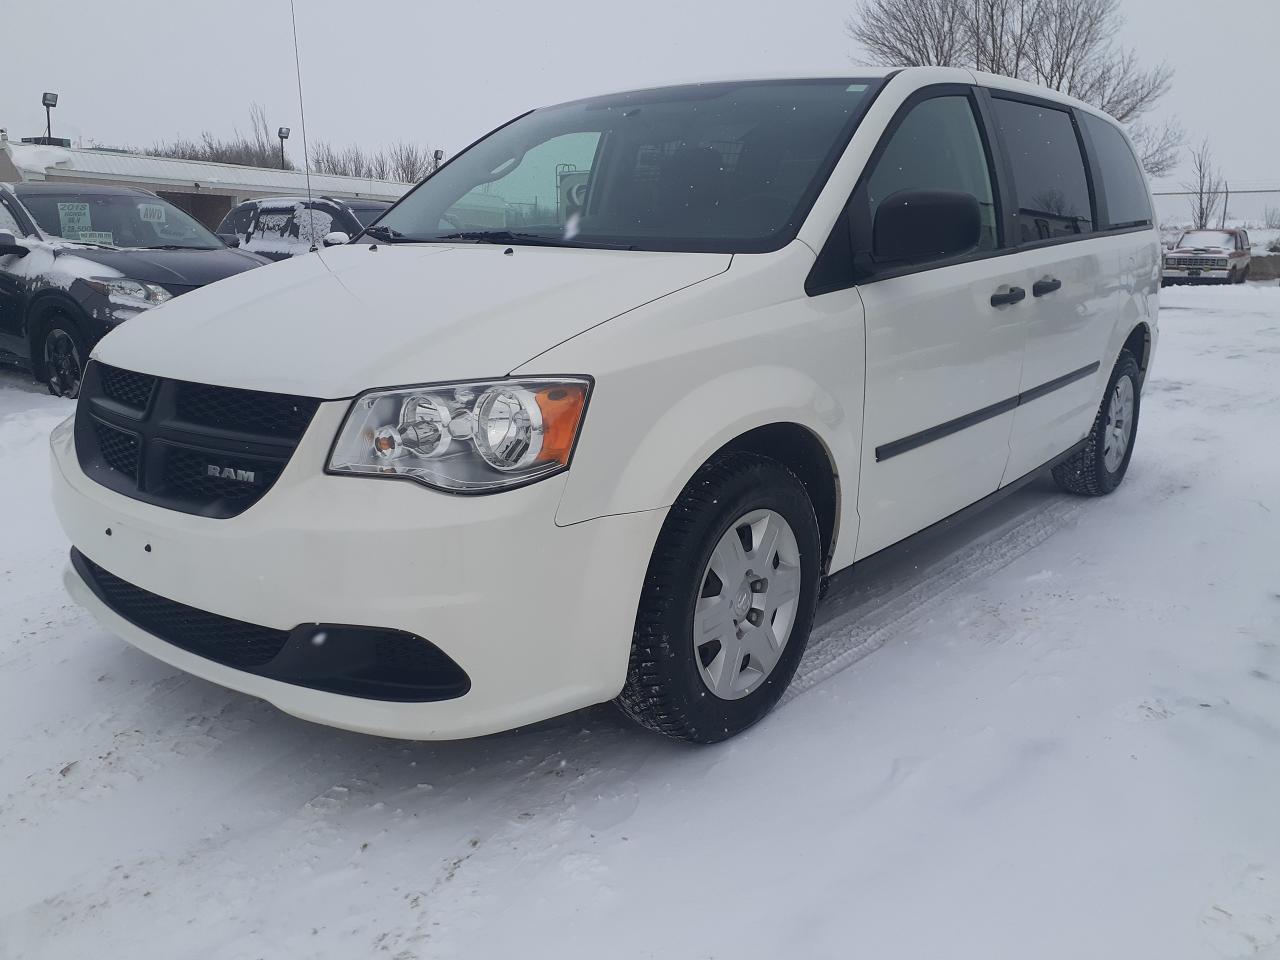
{"points": [[1101, 464], [727, 604], [62, 357]]}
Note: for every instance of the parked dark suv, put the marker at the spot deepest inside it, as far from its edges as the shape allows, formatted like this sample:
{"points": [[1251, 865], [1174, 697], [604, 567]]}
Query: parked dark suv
{"points": [[76, 260], [282, 227]]}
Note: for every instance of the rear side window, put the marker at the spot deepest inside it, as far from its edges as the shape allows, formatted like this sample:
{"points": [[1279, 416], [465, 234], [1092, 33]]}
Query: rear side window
{"points": [[1050, 186], [312, 223], [936, 147], [273, 222], [1123, 184]]}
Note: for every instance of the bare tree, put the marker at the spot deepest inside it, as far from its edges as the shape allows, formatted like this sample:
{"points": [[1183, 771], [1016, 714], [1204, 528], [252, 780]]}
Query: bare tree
{"points": [[1157, 146], [403, 162], [1067, 45], [922, 32], [1002, 33], [257, 148], [1206, 186]]}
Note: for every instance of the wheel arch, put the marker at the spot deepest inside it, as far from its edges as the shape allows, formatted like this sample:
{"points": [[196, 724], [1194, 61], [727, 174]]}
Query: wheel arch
{"points": [[802, 452], [40, 311], [1138, 343], [647, 458]]}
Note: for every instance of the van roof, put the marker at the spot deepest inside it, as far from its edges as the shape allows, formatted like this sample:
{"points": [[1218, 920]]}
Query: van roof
{"points": [[941, 75]]}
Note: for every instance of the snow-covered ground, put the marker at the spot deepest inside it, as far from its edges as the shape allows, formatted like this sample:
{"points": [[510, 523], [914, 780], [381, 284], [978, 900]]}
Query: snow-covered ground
{"points": [[1053, 734]]}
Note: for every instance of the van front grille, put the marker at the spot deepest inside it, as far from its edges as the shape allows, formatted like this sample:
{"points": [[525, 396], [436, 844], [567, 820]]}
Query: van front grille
{"points": [[212, 451], [119, 450], [127, 388]]}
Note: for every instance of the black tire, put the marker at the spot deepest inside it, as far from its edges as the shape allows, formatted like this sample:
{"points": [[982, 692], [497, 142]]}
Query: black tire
{"points": [[665, 690], [1086, 473], [61, 353], [1233, 276], [1244, 275]]}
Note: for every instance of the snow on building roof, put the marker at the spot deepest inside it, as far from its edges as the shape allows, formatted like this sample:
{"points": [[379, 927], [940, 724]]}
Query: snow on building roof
{"points": [[34, 162]]}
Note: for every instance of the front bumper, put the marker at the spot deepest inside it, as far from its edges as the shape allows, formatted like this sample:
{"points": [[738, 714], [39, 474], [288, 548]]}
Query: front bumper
{"points": [[1175, 273], [538, 616]]}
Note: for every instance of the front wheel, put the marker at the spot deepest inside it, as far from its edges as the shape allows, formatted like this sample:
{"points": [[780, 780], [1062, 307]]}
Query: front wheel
{"points": [[1101, 464], [727, 603], [62, 357]]}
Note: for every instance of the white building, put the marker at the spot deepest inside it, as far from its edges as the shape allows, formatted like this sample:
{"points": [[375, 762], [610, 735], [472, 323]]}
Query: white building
{"points": [[204, 190]]}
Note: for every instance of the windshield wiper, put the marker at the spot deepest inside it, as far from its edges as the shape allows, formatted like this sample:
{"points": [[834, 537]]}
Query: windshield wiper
{"points": [[380, 231], [528, 239], [89, 243], [175, 246]]}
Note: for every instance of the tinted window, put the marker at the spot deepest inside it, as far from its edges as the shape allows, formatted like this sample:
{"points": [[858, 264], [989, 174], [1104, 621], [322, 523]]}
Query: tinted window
{"points": [[365, 215], [1050, 186], [1122, 180], [719, 166], [936, 147], [237, 221]]}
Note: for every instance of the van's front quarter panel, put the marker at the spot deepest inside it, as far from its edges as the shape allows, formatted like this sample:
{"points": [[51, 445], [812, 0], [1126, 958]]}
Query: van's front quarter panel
{"points": [[681, 378]]}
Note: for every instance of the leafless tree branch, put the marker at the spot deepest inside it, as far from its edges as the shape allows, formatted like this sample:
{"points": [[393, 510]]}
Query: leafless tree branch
{"points": [[1067, 45], [1205, 186]]}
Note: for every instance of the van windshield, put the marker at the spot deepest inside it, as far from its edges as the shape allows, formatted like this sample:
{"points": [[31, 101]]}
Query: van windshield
{"points": [[728, 167]]}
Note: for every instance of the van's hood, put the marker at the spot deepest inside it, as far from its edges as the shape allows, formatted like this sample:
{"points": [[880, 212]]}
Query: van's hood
{"points": [[351, 318], [177, 270]]}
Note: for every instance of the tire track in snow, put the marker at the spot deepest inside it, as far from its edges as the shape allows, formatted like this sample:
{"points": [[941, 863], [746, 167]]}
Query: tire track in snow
{"points": [[852, 624]]}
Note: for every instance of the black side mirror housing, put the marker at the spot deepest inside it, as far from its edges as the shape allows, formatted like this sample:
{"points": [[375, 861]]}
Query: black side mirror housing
{"points": [[230, 239], [10, 247], [915, 226]]}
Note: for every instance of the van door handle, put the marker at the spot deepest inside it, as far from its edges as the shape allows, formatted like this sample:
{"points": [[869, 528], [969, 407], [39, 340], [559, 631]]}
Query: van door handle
{"points": [[1014, 295], [1047, 285]]}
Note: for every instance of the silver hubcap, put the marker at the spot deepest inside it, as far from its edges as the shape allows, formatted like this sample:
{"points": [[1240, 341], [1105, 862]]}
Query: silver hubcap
{"points": [[62, 364], [747, 604], [1119, 428]]}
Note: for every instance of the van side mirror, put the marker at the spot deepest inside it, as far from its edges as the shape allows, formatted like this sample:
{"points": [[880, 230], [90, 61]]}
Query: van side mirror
{"points": [[915, 226], [336, 238], [230, 239], [10, 247]]}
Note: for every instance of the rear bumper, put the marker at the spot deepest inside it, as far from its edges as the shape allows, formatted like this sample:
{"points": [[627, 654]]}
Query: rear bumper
{"points": [[539, 617]]}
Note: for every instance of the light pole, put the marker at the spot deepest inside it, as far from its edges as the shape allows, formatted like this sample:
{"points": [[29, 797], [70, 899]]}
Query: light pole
{"points": [[283, 134], [50, 100]]}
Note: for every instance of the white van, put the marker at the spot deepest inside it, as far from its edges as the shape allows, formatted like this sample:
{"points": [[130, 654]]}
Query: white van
{"points": [[735, 337]]}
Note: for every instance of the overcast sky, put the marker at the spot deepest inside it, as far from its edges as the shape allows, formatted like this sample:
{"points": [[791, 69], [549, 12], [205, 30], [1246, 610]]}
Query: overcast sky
{"points": [[134, 72]]}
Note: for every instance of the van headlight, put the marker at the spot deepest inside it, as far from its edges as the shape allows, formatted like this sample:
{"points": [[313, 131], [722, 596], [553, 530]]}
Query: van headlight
{"points": [[464, 437]]}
